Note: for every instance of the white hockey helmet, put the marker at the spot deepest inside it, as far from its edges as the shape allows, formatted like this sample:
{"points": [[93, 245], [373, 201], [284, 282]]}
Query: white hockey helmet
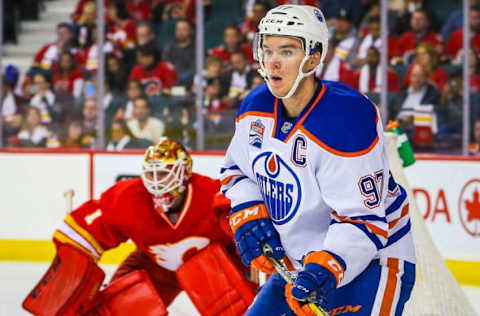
{"points": [[304, 22]]}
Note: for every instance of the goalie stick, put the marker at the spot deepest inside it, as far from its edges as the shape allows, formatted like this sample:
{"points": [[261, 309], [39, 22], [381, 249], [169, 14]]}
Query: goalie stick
{"points": [[289, 277]]}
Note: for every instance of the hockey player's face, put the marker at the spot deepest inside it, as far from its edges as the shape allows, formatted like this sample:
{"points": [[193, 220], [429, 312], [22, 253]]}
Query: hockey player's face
{"points": [[282, 56]]}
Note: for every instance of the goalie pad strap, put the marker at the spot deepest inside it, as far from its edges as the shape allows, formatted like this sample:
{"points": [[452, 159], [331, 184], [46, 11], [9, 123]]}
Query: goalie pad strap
{"points": [[214, 284], [69, 285]]}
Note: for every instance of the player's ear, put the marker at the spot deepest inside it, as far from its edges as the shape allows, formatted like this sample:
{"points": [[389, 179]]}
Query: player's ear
{"points": [[313, 61]]}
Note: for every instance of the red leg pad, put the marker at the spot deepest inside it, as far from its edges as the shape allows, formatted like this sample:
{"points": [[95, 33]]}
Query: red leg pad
{"points": [[68, 287], [214, 284], [131, 294]]}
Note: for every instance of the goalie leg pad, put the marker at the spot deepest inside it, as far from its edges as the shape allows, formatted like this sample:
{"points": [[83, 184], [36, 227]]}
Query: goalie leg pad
{"points": [[131, 294], [69, 285], [214, 284]]}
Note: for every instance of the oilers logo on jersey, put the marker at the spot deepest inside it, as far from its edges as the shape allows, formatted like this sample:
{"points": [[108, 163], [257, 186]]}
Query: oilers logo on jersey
{"points": [[280, 186]]}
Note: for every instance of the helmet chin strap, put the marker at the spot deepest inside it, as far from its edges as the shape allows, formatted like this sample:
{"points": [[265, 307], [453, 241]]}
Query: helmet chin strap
{"points": [[294, 87]]}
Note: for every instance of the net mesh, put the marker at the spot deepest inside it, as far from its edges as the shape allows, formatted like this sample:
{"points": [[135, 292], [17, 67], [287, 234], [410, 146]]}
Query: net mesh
{"points": [[436, 291]]}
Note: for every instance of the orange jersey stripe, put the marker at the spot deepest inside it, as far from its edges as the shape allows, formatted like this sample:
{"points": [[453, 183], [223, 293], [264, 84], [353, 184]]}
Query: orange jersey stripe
{"points": [[254, 113], [403, 214], [246, 215], [227, 180], [376, 230], [275, 115], [389, 294], [337, 152], [84, 233]]}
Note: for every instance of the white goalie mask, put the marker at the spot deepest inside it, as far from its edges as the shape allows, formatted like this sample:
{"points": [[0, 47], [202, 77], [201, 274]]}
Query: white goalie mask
{"points": [[303, 22]]}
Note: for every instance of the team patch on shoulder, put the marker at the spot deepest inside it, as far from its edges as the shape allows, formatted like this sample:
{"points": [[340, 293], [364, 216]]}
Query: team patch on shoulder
{"points": [[255, 136], [280, 186]]}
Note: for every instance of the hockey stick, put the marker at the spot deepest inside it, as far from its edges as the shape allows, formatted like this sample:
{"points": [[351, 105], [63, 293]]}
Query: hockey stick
{"points": [[289, 277]]}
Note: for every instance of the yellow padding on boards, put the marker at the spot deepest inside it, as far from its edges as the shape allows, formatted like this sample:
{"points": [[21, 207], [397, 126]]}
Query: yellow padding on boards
{"points": [[44, 251], [466, 272]]}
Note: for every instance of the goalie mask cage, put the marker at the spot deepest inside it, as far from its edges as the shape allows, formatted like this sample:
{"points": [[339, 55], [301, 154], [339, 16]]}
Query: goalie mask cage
{"points": [[436, 291]]}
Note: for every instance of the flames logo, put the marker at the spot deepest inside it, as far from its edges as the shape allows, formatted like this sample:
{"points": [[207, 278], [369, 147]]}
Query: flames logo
{"points": [[280, 186], [469, 207]]}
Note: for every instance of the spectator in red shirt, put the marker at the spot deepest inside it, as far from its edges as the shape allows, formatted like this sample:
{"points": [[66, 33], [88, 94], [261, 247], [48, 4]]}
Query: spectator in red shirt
{"points": [[454, 47], [139, 9], [335, 69], [250, 26], [419, 34], [369, 77], [121, 30], [67, 78], [156, 77], [49, 53], [232, 41], [80, 6], [425, 56]]}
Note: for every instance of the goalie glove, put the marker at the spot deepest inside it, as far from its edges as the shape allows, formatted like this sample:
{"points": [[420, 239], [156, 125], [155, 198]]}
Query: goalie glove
{"points": [[322, 273], [252, 228]]}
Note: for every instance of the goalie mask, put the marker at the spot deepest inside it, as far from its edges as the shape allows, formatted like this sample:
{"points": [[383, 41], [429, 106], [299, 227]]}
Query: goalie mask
{"points": [[303, 22], [166, 170]]}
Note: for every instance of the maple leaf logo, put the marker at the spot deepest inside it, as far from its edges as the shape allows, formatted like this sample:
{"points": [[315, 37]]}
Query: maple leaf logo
{"points": [[473, 207]]}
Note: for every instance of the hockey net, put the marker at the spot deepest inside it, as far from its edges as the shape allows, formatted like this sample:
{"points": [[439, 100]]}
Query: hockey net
{"points": [[436, 291]]}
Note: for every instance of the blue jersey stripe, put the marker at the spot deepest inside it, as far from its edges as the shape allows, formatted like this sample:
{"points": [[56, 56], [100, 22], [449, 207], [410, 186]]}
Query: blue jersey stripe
{"points": [[398, 201]]}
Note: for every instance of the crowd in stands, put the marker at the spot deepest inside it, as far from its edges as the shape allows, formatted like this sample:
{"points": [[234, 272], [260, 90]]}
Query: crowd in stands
{"points": [[150, 71]]}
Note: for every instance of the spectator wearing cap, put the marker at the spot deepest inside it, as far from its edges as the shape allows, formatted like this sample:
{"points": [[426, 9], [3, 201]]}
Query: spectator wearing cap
{"points": [[372, 38], [453, 49], [420, 33], [181, 52], [143, 125], [121, 29], [369, 77], [344, 36], [12, 105], [49, 53], [156, 77], [232, 42]]}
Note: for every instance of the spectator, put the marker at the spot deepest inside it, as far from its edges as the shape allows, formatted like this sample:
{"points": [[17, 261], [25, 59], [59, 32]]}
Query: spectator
{"points": [[181, 52], [91, 53], [425, 56], [156, 77], [450, 110], [33, 133], [121, 30], [335, 69], [143, 125], [89, 123], [139, 9], [67, 78], [474, 71], [116, 74], [232, 42], [121, 138], [419, 34], [80, 7], [475, 145], [86, 25], [239, 78], [344, 36], [250, 26], [419, 99], [369, 77], [73, 138], [216, 107], [145, 37], [454, 22], [453, 49], [49, 53], [12, 105], [134, 90], [44, 99], [372, 39]]}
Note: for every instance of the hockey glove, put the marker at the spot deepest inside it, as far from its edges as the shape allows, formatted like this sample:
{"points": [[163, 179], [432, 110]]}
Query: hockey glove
{"points": [[252, 228], [322, 273]]}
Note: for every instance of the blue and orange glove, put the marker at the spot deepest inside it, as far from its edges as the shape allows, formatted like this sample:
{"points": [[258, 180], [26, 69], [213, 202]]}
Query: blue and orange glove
{"points": [[252, 228], [322, 273]]}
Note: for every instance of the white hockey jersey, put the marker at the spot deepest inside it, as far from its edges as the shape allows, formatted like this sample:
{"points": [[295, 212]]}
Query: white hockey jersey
{"points": [[324, 176]]}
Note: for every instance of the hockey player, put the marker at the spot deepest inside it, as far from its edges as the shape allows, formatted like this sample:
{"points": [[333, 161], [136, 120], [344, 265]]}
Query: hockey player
{"points": [[307, 173], [172, 216]]}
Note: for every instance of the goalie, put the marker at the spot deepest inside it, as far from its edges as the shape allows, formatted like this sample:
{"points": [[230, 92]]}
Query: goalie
{"points": [[177, 220]]}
